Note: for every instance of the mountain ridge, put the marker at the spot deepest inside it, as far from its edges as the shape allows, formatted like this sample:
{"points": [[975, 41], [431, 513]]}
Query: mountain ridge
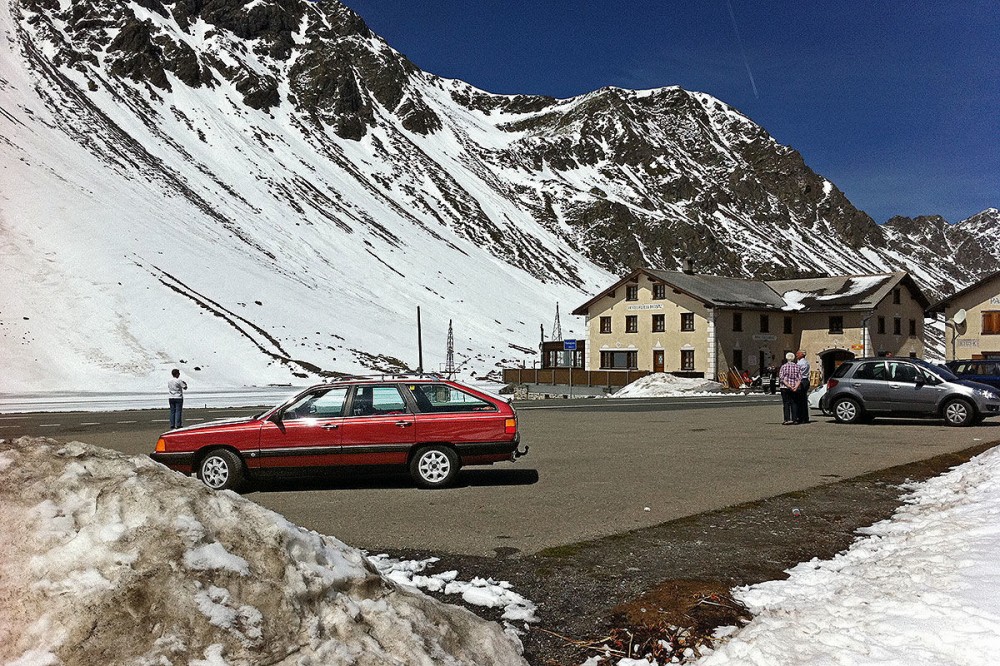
{"points": [[255, 162]]}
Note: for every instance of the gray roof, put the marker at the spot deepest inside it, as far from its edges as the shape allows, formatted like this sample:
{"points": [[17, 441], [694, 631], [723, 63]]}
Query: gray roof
{"points": [[840, 292], [722, 291]]}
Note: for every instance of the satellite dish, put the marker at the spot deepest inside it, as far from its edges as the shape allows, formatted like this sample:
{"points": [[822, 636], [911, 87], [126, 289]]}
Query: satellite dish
{"points": [[960, 316]]}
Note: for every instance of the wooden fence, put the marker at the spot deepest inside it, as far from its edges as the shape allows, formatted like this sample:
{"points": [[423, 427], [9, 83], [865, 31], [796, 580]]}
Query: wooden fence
{"points": [[572, 376]]}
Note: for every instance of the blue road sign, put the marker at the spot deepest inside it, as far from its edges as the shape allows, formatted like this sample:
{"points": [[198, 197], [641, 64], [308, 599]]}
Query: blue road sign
{"points": [[569, 345]]}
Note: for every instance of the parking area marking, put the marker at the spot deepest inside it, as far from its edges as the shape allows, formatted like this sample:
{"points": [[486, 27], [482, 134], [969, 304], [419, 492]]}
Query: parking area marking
{"points": [[49, 425], [124, 421], [91, 423]]}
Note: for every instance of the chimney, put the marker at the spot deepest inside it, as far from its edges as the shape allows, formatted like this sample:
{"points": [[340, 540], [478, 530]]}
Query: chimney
{"points": [[688, 266]]}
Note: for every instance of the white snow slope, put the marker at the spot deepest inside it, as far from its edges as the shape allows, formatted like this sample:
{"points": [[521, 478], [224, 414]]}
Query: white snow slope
{"points": [[143, 230], [920, 588], [110, 559]]}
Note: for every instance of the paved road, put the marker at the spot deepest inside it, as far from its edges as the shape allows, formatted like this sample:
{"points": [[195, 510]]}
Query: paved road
{"points": [[596, 468]]}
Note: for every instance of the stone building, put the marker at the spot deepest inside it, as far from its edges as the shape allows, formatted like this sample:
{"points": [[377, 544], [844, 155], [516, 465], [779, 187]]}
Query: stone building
{"points": [[972, 320]]}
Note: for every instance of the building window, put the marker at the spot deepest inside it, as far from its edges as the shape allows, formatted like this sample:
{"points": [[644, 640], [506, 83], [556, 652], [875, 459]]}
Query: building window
{"points": [[881, 325], [738, 359], [659, 292], [632, 292], [765, 323], [659, 323], [737, 322], [687, 321], [897, 326], [687, 360], [913, 328], [619, 360], [605, 324], [991, 322], [896, 296], [788, 325], [836, 324], [632, 323]]}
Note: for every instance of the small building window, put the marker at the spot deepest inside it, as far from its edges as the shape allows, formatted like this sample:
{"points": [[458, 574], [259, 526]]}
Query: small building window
{"points": [[632, 323], [881, 325], [737, 322], [659, 292], [897, 326], [836, 324], [896, 296], [619, 360], [991, 322], [913, 328], [687, 321], [659, 323], [765, 323], [687, 360], [605, 324], [788, 325], [632, 292]]}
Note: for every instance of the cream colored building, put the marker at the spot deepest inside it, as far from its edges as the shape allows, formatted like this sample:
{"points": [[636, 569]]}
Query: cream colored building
{"points": [[692, 324], [972, 320]]}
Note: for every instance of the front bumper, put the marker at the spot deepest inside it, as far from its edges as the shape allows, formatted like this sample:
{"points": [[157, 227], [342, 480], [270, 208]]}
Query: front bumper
{"points": [[179, 462]]}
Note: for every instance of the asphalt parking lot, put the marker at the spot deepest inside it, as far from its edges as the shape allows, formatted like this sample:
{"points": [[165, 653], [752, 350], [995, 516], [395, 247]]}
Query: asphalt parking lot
{"points": [[596, 468]]}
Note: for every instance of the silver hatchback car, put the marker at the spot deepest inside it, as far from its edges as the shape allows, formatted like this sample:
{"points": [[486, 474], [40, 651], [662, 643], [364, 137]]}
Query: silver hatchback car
{"points": [[868, 387]]}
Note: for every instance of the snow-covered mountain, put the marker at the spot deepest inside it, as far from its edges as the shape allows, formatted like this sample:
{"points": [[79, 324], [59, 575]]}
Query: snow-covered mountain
{"points": [[264, 191]]}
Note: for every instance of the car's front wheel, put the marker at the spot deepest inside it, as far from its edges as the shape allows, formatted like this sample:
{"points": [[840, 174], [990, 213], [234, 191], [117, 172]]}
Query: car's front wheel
{"points": [[958, 413], [434, 466], [847, 410], [221, 469]]}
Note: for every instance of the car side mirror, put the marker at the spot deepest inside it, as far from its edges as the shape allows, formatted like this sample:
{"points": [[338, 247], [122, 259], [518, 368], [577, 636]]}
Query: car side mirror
{"points": [[277, 420]]}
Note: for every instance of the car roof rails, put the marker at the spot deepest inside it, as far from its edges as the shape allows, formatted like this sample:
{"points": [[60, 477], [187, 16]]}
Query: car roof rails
{"points": [[386, 376]]}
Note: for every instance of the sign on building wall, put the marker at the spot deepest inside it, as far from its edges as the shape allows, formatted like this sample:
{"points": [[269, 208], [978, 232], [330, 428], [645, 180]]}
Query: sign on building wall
{"points": [[649, 306], [995, 300], [968, 343]]}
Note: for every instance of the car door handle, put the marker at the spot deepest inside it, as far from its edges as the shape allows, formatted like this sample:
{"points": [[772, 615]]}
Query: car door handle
{"points": [[403, 424], [894, 386], [330, 426]]}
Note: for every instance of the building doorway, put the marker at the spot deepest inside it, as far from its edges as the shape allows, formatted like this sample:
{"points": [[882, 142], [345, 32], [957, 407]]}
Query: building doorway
{"points": [[832, 358], [657, 360]]}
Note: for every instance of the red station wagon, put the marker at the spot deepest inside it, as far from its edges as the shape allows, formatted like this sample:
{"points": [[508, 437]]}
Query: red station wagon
{"points": [[429, 424]]}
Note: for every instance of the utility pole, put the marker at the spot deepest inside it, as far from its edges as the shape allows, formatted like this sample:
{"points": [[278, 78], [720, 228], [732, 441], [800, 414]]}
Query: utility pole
{"points": [[420, 345], [556, 326]]}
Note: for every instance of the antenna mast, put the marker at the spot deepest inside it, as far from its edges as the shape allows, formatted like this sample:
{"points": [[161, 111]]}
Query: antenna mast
{"points": [[449, 364], [556, 326]]}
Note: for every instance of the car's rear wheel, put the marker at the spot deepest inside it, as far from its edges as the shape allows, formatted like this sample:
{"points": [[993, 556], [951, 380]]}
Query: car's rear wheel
{"points": [[221, 469], [958, 413], [434, 466], [847, 410]]}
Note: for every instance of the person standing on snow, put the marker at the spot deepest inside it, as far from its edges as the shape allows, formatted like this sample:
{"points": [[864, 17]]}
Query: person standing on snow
{"points": [[176, 387], [802, 394]]}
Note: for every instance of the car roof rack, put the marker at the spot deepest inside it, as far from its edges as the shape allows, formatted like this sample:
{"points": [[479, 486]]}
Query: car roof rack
{"points": [[386, 376]]}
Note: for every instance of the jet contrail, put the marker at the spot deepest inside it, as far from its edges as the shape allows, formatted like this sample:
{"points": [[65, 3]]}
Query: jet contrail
{"points": [[739, 39]]}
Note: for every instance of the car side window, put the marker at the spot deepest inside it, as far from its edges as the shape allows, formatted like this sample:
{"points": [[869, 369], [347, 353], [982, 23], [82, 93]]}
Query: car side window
{"points": [[872, 370], [377, 401], [903, 372], [930, 378], [325, 403], [435, 398]]}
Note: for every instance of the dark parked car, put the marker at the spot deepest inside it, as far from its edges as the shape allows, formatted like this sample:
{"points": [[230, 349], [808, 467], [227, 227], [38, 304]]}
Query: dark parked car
{"points": [[429, 425], [869, 387], [984, 372]]}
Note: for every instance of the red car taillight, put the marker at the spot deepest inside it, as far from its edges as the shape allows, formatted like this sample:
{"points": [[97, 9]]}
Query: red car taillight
{"points": [[510, 426], [830, 384]]}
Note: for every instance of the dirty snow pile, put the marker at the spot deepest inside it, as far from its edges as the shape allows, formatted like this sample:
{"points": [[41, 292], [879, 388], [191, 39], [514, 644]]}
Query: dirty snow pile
{"points": [[920, 588], [663, 385], [110, 559]]}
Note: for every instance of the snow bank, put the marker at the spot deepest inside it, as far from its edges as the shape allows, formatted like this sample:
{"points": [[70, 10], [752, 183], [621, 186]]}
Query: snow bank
{"points": [[110, 559], [921, 588], [660, 384]]}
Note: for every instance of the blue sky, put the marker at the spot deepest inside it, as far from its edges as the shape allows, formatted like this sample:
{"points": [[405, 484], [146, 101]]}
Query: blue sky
{"points": [[898, 103]]}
